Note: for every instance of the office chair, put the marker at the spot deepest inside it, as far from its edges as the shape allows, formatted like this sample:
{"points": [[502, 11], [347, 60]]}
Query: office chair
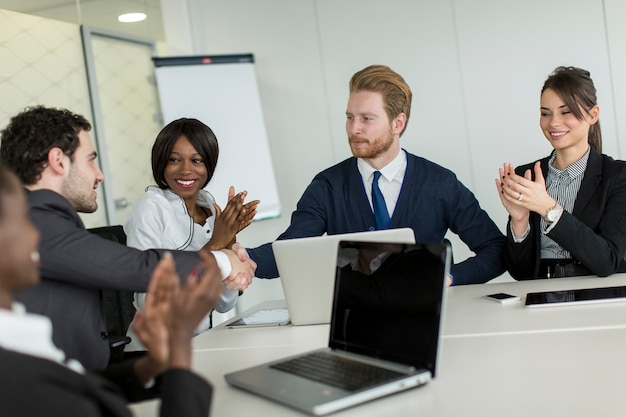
{"points": [[117, 304]]}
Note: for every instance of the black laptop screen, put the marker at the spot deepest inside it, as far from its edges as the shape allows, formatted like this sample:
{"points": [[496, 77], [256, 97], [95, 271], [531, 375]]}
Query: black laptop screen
{"points": [[388, 301]]}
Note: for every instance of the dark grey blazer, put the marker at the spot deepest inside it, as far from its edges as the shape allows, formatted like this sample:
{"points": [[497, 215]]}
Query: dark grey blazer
{"points": [[32, 386], [75, 265], [594, 233]]}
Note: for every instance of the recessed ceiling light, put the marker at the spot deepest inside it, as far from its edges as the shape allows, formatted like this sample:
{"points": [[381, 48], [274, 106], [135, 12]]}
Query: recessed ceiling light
{"points": [[131, 17]]}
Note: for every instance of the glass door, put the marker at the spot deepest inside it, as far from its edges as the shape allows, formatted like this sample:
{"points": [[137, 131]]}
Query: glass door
{"points": [[126, 114]]}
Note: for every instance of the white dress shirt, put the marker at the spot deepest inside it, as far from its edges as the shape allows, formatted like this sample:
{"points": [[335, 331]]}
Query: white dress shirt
{"points": [[31, 334], [390, 181]]}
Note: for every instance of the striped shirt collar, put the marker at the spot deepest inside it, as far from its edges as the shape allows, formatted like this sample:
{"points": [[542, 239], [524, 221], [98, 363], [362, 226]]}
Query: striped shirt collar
{"points": [[574, 170]]}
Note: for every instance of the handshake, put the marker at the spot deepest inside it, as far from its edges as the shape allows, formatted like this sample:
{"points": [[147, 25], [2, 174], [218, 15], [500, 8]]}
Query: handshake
{"points": [[243, 268]]}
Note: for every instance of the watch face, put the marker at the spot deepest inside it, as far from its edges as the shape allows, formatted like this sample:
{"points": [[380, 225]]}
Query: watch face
{"points": [[552, 214]]}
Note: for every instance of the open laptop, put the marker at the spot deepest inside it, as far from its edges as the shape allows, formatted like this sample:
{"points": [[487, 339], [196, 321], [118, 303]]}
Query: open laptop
{"points": [[387, 322], [307, 270]]}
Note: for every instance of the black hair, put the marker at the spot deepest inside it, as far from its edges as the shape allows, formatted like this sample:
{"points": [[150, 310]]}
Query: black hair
{"points": [[29, 136], [199, 135], [575, 87]]}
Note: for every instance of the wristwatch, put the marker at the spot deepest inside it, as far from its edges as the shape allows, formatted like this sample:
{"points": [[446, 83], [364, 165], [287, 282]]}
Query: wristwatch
{"points": [[553, 214]]}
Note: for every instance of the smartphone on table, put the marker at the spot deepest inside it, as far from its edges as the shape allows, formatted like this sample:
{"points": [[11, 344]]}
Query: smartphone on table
{"points": [[502, 298]]}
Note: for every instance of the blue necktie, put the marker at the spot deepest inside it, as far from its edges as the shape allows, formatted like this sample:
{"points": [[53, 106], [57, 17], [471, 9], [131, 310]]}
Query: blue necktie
{"points": [[378, 201]]}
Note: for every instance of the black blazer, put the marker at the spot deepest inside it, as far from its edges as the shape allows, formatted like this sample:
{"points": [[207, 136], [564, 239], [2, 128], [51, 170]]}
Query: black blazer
{"points": [[32, 386], [75, 265], [594, 233]]}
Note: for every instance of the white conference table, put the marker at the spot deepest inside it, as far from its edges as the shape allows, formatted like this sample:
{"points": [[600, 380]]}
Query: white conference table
{"points": [[469, 314], [495, 359], [221, 337], [573, 373]]}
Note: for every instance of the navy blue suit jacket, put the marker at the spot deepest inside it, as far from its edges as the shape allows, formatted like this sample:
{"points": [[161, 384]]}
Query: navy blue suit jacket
{"points": [[431, 202]]}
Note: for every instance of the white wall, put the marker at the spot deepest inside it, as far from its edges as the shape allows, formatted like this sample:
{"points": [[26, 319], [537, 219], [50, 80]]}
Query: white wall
{"points": [[507, 49], [476, 68], [615, 11]]}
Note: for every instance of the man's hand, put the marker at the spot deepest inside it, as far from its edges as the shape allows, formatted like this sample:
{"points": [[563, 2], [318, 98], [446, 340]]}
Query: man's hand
{"points": [[241, 252], [242, 269]]}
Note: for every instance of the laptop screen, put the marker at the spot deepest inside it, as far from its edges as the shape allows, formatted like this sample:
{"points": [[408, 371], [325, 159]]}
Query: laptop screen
{"points": [[388, 301]]}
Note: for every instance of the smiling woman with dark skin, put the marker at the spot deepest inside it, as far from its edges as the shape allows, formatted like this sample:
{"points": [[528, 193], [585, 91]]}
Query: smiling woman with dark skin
{"points": [[58, 385], [567, 212], [178, 213], [184, 158]]}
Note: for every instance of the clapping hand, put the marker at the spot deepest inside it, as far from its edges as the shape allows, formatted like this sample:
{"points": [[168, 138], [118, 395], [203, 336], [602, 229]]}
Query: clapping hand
{"points": [[521, 195], [235, 217], [172, 312]]}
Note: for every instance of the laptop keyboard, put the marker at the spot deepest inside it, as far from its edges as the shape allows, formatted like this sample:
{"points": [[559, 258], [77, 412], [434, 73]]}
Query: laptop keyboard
{"points": [[337, 371]]}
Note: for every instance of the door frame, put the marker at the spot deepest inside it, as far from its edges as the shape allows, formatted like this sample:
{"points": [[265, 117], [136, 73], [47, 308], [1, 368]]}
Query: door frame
{"points": [[87, 34]]}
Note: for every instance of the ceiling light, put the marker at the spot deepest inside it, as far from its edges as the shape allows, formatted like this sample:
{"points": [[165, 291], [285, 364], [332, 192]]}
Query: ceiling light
{"points": [[131, 17]]}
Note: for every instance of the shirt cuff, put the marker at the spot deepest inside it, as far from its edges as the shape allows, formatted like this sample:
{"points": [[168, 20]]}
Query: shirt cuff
{"points": [[518, 239], [222, 263]]}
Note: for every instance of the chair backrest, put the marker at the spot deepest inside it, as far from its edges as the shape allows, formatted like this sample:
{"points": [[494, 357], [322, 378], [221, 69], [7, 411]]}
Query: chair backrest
{"points": [[117, 305], [115, 233]]}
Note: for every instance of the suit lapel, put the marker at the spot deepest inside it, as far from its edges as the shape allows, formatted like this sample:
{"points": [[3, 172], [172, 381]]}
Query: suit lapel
{"points": [[358, 196], [593, 176], [405, 190], [591, 179]]}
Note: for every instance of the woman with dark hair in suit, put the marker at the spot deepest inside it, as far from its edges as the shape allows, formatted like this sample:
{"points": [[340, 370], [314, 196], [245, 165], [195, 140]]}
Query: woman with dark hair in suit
{"points": [[567, 212], [38, 378]]}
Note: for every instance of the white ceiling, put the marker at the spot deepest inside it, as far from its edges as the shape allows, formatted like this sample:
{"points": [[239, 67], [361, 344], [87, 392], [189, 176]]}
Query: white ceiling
{"points": [[98, 13]]}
